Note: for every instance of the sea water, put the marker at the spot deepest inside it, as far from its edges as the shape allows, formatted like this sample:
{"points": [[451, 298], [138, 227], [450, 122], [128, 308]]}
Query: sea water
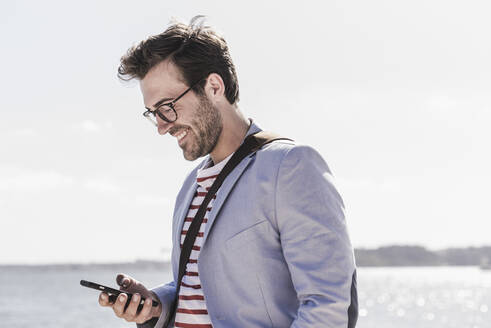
{"points": [[410, 297]]}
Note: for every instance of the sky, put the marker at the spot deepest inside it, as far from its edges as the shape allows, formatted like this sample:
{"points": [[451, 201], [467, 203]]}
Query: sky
{"points": [[394, 95]]}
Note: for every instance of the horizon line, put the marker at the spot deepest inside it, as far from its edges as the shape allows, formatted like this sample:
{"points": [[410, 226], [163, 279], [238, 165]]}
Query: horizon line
{"points": [[166, 260]]}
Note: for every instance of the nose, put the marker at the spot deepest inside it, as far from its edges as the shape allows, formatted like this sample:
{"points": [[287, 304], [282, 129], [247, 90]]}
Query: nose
{"points": [[163, 126]]}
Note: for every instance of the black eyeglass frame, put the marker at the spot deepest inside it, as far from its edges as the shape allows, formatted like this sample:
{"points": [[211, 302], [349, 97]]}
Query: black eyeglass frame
{"points": [[169, 104]]}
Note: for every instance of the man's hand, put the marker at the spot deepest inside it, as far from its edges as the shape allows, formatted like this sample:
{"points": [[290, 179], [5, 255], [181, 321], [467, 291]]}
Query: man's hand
{"points": [[133, 286]]}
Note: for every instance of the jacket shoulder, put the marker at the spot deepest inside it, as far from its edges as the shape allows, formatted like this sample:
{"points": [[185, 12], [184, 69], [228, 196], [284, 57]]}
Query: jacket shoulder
{"points": [[279, 150]]}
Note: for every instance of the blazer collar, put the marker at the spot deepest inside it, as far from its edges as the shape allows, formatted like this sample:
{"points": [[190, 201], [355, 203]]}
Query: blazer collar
{"points": [[253, 128]]}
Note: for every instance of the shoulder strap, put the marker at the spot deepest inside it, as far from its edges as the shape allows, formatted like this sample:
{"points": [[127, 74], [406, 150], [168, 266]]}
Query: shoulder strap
{"points": [[251, 144], [262, 138]]}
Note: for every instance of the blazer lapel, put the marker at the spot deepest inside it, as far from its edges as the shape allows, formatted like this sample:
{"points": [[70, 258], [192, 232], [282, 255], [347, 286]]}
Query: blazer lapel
{"points": [[223, 192], [183, 211]]}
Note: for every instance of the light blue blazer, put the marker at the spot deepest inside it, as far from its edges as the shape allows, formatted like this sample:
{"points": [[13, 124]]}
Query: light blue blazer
{"points": [[276, 249]]}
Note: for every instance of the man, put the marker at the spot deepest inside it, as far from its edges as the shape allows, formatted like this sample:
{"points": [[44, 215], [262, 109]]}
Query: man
{"points": [[273, 249]]}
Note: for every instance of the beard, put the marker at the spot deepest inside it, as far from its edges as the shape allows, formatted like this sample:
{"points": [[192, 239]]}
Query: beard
{"points": [[206, 127]]}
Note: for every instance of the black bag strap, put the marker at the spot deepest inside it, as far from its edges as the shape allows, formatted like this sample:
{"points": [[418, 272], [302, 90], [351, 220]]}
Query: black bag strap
{"points": [[250, 145]]}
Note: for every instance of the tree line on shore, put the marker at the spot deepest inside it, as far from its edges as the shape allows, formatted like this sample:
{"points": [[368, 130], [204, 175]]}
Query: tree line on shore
{"points": [[396, 255]]}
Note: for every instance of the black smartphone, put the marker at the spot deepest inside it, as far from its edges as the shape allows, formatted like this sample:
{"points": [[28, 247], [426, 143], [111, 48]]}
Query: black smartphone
{"points": [[114, 293]]}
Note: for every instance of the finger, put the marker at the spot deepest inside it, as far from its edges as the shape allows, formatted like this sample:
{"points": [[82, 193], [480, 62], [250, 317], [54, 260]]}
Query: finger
{"points": [[156, 310], [104, 299], [145, 313], [130, 313], [118, 306]]}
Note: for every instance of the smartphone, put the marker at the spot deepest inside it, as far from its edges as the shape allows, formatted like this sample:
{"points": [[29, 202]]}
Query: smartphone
{"points": [[114, 293]]}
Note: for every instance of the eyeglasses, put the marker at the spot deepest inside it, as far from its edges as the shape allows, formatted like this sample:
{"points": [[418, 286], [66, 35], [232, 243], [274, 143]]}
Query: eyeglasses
{"points": [[166, 111]]}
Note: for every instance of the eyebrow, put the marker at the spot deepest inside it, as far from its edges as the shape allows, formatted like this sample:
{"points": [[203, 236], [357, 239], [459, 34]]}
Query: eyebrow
{"points": [[160, 102]]}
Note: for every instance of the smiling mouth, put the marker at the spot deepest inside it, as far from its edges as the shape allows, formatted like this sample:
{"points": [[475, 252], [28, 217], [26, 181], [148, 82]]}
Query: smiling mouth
{"points": [[181, 135]]}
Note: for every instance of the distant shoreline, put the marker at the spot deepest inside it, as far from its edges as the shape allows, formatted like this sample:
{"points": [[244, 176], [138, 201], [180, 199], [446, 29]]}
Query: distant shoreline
{"points": [[143, 264], [386, 256], [397, 255]]}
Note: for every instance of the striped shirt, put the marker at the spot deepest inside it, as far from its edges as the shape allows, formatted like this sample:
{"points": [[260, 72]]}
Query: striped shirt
{"points": [[191, 310]]}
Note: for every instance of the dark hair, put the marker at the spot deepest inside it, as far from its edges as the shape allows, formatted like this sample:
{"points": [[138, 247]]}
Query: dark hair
{"points": [[196, 50]]}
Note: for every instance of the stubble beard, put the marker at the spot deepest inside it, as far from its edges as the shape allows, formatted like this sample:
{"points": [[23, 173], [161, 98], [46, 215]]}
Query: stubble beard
{"points": [[208, 125]]}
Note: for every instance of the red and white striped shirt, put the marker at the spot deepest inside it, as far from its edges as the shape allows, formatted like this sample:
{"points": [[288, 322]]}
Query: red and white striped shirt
{"points": [[191, 310]]}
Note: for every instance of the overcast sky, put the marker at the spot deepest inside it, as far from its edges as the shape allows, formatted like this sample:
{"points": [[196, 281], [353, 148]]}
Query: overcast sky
{"points": [[394, 94]]}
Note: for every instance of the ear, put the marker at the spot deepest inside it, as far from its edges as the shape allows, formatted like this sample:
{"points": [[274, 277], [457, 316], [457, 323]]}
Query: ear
{"points": [[215, 88]]}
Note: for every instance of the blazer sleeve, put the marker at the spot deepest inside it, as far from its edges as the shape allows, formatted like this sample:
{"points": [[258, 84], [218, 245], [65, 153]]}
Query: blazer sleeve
{"points": [[166, 294], [315, 241]]}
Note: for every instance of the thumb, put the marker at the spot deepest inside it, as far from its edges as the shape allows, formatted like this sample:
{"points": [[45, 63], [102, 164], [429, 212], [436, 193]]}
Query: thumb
{"points": [[128, 284], [124, 281]]}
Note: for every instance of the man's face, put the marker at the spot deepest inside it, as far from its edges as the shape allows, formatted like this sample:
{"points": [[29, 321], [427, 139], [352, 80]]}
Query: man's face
{"points": [[199, 123]]}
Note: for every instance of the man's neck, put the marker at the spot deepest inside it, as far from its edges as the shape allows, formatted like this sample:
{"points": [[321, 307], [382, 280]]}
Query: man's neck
{"points": [[234, 130]]}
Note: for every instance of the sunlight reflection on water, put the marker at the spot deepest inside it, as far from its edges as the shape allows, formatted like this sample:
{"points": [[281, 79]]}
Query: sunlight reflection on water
{"points": [[422, 297]]}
